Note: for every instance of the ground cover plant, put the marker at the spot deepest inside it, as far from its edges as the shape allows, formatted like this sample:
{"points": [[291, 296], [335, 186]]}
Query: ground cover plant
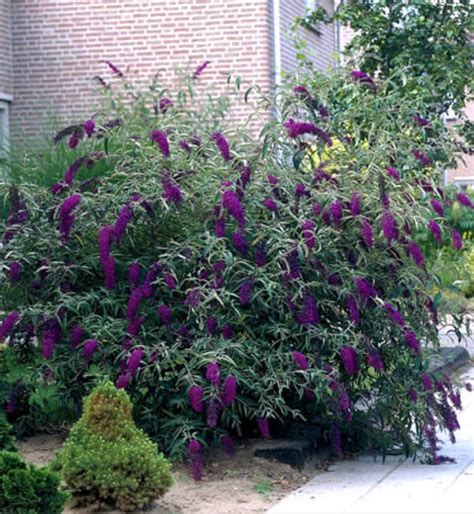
{"points": [[231, 285]]}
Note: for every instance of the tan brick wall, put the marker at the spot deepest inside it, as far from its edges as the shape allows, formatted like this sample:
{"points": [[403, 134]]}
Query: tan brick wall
{"points": [[6, 78], [57, 46], [321, 48]]}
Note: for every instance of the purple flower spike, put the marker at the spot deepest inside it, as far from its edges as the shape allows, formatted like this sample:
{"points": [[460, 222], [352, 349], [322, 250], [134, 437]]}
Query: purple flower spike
{"points": [[260, 254], [270, 204], [90, 347], [213, 373], [195, 394], [134, 275], [308, 233], [211, 324], [457, 240], [240, 243], [415, 253], [230, 390], [463, 199], [435, 229], [123, 381], [195, 459], [245, 291], [66, 219], [354, 204], [76, 336], [227, 332], [392, 172], [8, 324], [374, 360], [114, 69], [389, 226], [412, 341], [394, 314], [309, 313], [427, 382], [364, 79], [133, 362], [161, 139], [51, 335], [336, 211], [421, 157], [222, 144], [349, 359], [264, 427], [109, 273], [192, 298], [14, 271], [437, 206], [165, 314], [231, 202], [365, 289], [165, 104], [124, 217], [198, 71], [172, 193], [367, 234], [353, 309], [89, 127], [300, 360], [170, 281], [299, 128]]}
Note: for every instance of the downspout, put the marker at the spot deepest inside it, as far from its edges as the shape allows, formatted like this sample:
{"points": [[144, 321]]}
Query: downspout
{"points": [[276, 42]]}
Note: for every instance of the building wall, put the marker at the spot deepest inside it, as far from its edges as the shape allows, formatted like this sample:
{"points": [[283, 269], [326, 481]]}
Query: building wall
{"points": [[6, 79], [58, 46], [321, 47]]}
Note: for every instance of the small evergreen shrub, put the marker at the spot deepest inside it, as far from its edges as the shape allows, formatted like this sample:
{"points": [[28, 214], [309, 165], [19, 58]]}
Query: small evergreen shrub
{"points": [[107, 460], [26, 489]]}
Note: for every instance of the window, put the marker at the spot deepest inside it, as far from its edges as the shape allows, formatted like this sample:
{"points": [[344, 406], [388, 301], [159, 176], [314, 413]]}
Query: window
{"points": [[4, 127]]}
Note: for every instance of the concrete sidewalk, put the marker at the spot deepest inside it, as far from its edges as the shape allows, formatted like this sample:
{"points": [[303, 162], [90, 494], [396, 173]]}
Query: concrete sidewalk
{"points": [[399, 486]]}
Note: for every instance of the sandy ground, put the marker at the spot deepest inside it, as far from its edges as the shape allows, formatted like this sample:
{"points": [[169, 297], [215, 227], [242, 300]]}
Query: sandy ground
{"points": [[229, 485]]}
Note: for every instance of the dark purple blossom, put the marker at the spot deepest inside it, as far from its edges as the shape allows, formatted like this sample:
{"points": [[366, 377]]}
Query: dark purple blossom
{"points": [[335, 209], [219, 227], [229, 391], [227, 331], [198, 71], [353, 309], [389, 226], [184, 145], [437, 207], [301, 91], [89, 348], [394, 314], [213, 373], [212, 412], [134, 326], [412, 341], [435, 229], [108, 267], [105, 239], [367, 233], [300, 191], [70, 175], [260, 254], [412, 395], [270, 204], [354, 204], [374, 360], [421, 157], [240, 243], [123, 381], [392, 172], [299, 128], [164, 314], [300, 360], [245, 291], [308, 233], [457, 240], [222, 144], [51, 335], [76, 336], [414, 251], [273, 180], [463, 199], [8, 324], [161, 139], [195, 394], [192, 298], [349, 359], [134, 303], [172, 193], [89, 126], [264, 427], [231, 202], [195, 459], [73, 141], [427, 382], [309, 313], [164, 104], [365, 289], [66, 219], [211, 324], [124, 217], [134, 361], [134, 275], [364, 79], [14, 271], [170, 281]]}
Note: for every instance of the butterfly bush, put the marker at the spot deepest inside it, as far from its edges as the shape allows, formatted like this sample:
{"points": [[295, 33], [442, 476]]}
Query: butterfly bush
{"points": [[235, 283]]}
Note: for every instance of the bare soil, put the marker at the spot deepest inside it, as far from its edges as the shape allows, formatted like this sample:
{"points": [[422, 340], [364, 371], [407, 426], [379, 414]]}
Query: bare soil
{"points": [[238, 485]]}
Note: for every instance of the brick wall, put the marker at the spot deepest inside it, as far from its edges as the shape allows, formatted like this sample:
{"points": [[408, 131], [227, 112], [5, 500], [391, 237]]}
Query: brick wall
{"points": [[321, 47], [57, 46], [6, 79]]}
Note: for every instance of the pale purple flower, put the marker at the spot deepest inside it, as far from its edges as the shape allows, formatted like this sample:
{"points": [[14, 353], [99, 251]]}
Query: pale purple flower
{"points": [[195, 394], [335, 208], [198, 71], [66, 219], [300, 360], [414, 251], [172, 193], [219, 227], [213, 373], [264, 427], [309, 313], [394, 314], [435, 229], [350, 359], [8, 324], [457, 240], [134, 361], [300, 191], [412, 341], [392, 172], [161, 139], [222, 144], [108, 267], [164, 314], [89, 127], [229, 391], [260, 254], [89, 348]]}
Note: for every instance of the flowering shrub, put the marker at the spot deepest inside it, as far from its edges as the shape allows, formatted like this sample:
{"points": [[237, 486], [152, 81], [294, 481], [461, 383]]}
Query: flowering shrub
{"points": [[233, 287], [107, 461]]}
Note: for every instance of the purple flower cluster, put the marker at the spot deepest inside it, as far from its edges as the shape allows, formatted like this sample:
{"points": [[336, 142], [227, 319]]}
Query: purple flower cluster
{"points": [[161, 139], [76, 336], [364, 79], [240, 243], [51, 335], [245, 291], [308, 233], [299, 128], [412, 341], [270, 204], [14, 271], [463, 199], [415, 253], [437, 206], [394, 314], [231, 202], [8, 324], [300, 360], [366, 233], [134, 275], [355, 204], [171, 192], [349, 359], [164, 314], [309, 312], [222, 144], [420, 121], [392, 172], [374, 360], [353, 309], [195, 394], [365, 289], [389, 226], [124, 217], [89, 348], [229, 391], [213, 373], [421, 157], [435, 229], [198, 71], [66, 218], [457, 240]]}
